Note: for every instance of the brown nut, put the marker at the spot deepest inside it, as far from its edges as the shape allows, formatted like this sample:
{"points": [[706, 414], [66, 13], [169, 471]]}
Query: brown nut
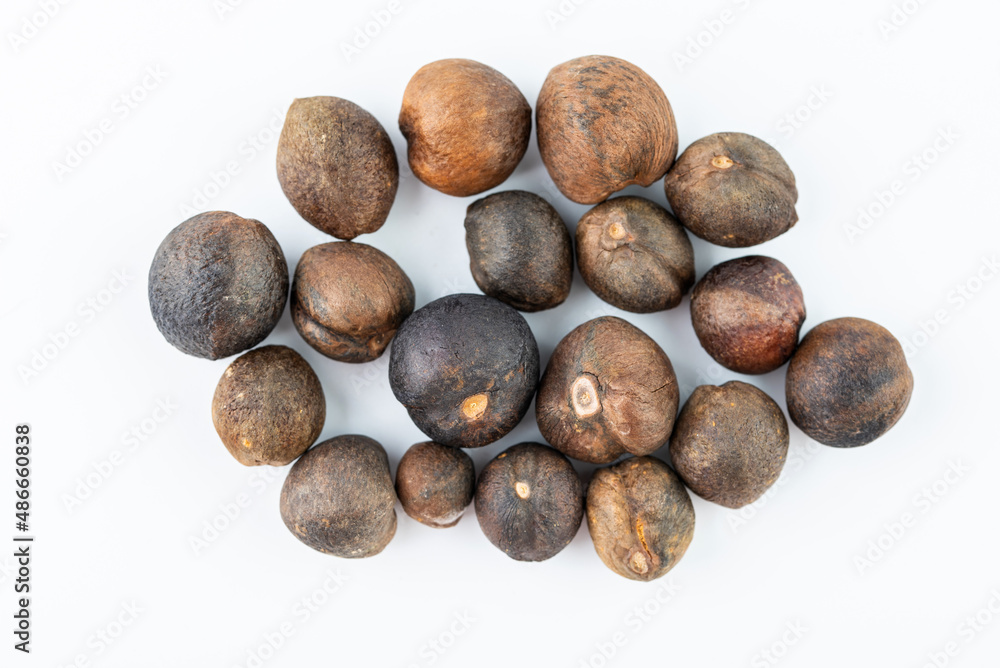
{"points": [[217, 285], [730, 443], [529, 501], [634, 255], [733, 190], [608, 389], [640, 517], [747, 313], [603, 124], [337, 166], [339, 498], [520, 251], [466, 126], [348, 300], [268, 407], [435, 483], [848, 382]]}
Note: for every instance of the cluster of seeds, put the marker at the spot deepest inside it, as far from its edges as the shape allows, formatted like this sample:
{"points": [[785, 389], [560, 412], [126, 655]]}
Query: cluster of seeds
{"points": [[466, 367]]}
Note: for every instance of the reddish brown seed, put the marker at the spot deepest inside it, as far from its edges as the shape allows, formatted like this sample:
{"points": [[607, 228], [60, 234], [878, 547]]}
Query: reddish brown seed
{"points": [[848, 382], [634, 255], [603, 124], [466, 126], [337, 166], [268, 407], [640, 517], [348, 300], [608, 389], [733, 190], [730, 443], [747, 313], [435, 483], [339, 498]]}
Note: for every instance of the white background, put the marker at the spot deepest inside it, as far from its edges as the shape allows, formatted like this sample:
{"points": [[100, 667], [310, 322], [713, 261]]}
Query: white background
{"points": [[791, 559]]}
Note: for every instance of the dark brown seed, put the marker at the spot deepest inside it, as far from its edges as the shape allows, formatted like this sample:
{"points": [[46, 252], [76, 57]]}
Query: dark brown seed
{"points": [[608, 389], [218, 285], [268, 407], [603, 124], [733, 190], [529, 502], [466, 126], [640, 517], [848, 382], [634, 255], [337, 166], [747, 313], [730, 443], [339, 499], [466, 368], [348, 300], [520, 251], [435, 483]]}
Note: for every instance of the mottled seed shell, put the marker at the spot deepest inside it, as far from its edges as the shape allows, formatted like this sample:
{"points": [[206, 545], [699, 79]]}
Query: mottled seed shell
{"points": [[520, 251], [640, 517], [268, 407], [337, 166], [733, 190], [730, 443], [435, 483], [466, 126], [603, 124], [217, 285], [348, 300], [466, 368], [848, 382], [634, 255], [608, 389], [747, 313], [339, 498], [529, 502]]}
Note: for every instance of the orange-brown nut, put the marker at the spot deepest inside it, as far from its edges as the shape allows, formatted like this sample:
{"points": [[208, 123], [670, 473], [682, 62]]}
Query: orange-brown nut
{"points": [[435, 483], [603, 124], [337, 166], [640, 517], [747, 313], [466, 126]]}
